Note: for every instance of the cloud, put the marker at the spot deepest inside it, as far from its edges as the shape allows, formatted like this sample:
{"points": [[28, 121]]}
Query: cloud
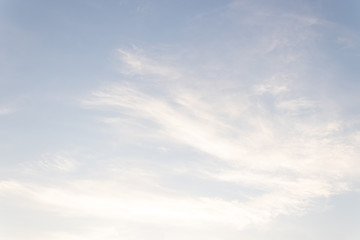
{"points": [[240, 117], [262, 126], [346, 42], [278, 149], [134, 63], [113, 200], [6, 110], [253, 120], [59, 162]]}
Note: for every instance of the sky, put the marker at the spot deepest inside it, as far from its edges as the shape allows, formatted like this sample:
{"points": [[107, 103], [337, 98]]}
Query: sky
{"points": [[153, 119]]}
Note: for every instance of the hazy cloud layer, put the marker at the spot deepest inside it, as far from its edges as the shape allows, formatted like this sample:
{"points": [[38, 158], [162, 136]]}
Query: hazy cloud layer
{"points": [[204, 138]]}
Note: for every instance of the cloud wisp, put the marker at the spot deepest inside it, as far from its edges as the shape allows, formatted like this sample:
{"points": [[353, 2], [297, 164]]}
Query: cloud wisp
{"points": [[263, 130], [278, 148], [221, 133]]}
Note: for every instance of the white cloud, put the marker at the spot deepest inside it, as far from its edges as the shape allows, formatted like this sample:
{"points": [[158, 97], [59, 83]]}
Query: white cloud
{"points": [[135, 63], [6, 110], [346, 42], [275, 85], [60, 161], [279, 150], [247, 120], [254, 120], [116, 201]]}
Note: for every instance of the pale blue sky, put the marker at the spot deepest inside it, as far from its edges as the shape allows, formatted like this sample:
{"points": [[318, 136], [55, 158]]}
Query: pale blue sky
{"points": [[179, 120]]}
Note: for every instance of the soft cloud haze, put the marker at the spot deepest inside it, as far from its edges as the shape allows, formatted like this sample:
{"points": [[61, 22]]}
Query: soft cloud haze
{"points": [[173, 120]]}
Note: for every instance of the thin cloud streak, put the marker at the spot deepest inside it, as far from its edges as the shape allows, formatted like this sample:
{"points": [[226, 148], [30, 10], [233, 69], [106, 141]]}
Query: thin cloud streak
{"points": [[280, 151], [269, 137], [251, 111], [229, 128], [6, 110]]}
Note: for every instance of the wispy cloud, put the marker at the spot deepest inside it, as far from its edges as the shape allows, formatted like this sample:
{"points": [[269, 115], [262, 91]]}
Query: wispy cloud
{"points": [[6, 110], [278, 147], [262, 126], [60, 161], [238, 113], [135, 63]]}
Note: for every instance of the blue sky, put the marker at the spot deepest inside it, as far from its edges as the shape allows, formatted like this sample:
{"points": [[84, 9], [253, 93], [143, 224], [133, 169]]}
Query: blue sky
{"points": [[179, 120]]}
